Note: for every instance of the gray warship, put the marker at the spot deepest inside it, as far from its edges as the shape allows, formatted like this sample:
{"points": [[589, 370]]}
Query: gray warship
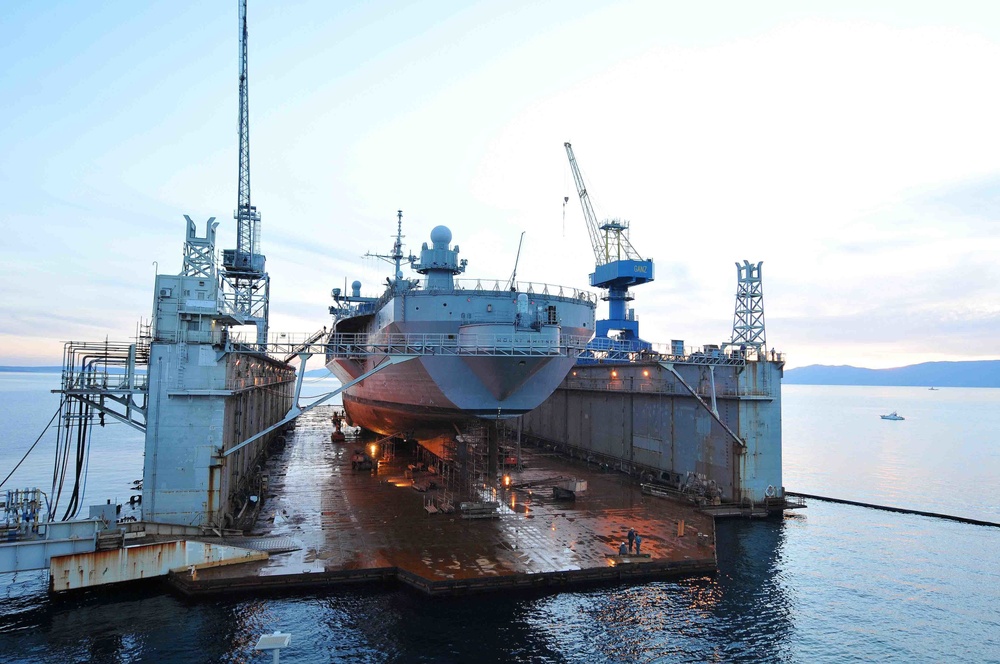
{"points": [[510, 344]]}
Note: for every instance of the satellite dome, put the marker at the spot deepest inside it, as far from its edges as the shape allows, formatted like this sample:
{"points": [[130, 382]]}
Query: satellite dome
{"points": [[441, 237], [356, 285]]}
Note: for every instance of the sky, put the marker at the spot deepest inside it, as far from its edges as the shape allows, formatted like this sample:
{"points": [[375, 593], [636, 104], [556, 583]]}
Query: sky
{"points": [[850, 146]]}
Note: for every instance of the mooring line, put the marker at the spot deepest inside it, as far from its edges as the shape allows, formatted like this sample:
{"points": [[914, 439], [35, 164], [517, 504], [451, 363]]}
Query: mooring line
{"points": [[901, 510]]}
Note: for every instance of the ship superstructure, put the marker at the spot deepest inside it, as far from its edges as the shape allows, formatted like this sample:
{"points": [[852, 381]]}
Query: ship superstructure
{"points": [[504, 350]]}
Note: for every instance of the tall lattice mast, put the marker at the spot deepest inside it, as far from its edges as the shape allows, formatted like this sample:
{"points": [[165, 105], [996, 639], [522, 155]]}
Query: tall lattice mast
{"points": [[748, 320], [246, 283], [247, 240]]}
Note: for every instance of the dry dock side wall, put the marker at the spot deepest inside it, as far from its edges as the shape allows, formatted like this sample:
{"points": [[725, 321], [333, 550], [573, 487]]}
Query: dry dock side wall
{"points": [[642, 419], [202, 403]]}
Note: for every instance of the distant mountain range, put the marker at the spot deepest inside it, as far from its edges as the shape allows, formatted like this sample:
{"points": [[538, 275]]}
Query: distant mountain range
{"points": [[979, 373]]}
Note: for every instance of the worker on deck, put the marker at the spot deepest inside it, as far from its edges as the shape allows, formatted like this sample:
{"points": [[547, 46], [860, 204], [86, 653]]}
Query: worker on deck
{"points": [[623, 550], [631, 538]]}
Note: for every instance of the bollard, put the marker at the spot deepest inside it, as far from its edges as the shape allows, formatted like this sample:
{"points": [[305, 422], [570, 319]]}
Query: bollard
{"points": [[680, 528]]}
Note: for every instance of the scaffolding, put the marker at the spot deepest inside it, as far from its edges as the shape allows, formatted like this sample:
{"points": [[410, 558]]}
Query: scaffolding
{"points": [[468, 472]]}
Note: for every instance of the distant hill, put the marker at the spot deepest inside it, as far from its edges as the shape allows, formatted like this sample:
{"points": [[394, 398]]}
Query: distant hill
{"points": [[979, 373]]}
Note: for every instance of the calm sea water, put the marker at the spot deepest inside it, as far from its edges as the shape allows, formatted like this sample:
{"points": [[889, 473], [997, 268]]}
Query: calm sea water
{"points": [[831, 583], [944, 457]]}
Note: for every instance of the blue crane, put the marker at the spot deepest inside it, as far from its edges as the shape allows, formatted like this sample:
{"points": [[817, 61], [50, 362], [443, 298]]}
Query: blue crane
{"points": [[618, 267]]}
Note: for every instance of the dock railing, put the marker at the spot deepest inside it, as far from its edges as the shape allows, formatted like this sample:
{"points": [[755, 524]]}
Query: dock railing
{"points": [[614, 350], [517, 343], [651, 386]]}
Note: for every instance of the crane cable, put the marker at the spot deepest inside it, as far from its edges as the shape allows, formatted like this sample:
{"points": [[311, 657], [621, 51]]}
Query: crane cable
{"points": [[54, 416], [565, 201]]}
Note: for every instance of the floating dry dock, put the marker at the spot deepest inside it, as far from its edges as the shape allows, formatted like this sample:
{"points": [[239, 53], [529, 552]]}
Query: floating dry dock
{"points": [[351, 526]]}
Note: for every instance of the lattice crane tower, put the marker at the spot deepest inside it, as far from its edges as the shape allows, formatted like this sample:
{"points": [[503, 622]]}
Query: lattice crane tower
{"points": [[748, 319], [245, 283]]}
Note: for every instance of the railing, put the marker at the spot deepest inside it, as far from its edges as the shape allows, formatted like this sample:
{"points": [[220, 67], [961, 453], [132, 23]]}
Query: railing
{"points": [[482, 286], [106, 381], [362, 345], [613, 350], [647, 386], [519, 342], [104, 366], [530, 287]]}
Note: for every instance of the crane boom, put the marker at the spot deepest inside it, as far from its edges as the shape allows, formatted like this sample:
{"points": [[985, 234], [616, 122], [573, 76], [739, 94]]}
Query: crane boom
{"points": [[610, 238], [588, 210]]}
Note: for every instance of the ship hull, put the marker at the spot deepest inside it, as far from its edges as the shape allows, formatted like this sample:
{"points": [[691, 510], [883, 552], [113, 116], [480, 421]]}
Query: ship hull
{"points": [[431, 394], [428, 396]]}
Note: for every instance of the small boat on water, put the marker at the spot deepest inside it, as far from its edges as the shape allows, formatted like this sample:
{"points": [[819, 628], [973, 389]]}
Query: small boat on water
{"points": [[932, 389], [892, 416]]}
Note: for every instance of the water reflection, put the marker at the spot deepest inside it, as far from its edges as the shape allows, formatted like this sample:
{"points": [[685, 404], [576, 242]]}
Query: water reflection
{"points": [[740, 615], [833, 584], [806, 588]]}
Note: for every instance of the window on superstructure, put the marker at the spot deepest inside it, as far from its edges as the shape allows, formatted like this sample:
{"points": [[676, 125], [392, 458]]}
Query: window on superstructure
{"points": [[551, 309]]}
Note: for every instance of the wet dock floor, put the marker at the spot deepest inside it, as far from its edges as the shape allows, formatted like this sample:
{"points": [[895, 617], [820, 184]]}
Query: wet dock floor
{"points": [[349, 522]]}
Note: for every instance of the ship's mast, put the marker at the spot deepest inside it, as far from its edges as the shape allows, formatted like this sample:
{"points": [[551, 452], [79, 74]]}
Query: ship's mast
{"points": [[397, 248], [397, 256]]}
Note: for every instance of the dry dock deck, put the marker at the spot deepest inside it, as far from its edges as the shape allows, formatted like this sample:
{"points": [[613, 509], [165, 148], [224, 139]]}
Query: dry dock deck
{"points": [[353, 526]]}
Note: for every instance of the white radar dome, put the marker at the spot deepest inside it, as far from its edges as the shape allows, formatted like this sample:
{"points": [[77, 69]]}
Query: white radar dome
{"points": [[441, 235]]}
